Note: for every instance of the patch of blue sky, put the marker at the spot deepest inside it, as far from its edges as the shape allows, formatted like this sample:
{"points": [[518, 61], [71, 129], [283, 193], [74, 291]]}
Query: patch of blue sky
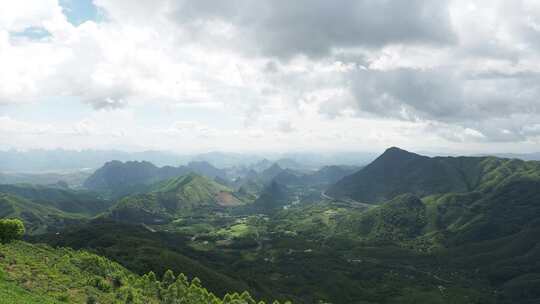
{"points": [[34, 33], [76, 11], [79, 11]]}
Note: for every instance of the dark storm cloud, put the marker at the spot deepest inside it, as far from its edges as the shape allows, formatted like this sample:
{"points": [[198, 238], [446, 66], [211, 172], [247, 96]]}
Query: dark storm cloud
{"points": [[315, 27]]}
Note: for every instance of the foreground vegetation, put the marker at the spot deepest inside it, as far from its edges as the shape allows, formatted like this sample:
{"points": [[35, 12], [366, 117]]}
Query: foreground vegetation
{"points": [[41, 274]]}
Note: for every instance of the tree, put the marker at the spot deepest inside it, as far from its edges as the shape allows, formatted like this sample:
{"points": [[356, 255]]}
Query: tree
{"points": [[11, 229], [168, 279], [246, 298]]}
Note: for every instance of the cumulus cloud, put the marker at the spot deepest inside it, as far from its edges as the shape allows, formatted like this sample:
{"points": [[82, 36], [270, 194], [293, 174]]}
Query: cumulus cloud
{"points": [[17, 16], [316, 28], [276, 72], [497, 105], [487, 82], [446, 95]]}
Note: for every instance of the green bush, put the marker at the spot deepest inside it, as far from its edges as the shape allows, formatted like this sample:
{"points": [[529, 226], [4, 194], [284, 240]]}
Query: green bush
{"points": [[11, 229], [100, 283]]}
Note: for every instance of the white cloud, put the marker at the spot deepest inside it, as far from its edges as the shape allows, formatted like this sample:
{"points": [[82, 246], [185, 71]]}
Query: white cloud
{"points": [[16, 16], [13, 126], [226, 79]]}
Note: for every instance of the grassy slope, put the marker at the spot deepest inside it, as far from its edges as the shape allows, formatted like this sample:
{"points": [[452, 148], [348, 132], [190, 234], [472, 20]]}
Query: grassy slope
{"points": [[12, 293], [40, 274]]}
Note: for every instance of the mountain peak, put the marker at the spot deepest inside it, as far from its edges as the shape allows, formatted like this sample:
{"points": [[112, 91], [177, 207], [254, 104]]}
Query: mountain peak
{"points": [[397, 154], [395, 150], [113, 163]]}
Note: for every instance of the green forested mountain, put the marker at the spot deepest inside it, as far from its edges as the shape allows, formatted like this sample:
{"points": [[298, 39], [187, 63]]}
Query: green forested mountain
{"points": [[45, 208], [81, 202], [273, 197], [397, 171], [117, 179], [323, 176], [319, 178], [38, 218], [331, 174], [487, 221], [270, 173], [170, 198], [404, 217]]}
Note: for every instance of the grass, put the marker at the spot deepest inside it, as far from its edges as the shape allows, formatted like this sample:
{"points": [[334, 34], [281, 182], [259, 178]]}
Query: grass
{"points": [[235, 231], [11, 293]]}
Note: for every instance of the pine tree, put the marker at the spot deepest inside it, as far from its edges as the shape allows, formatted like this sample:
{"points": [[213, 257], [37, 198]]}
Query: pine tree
{"points": [[196, 282], [246, 297], [168, 279]]}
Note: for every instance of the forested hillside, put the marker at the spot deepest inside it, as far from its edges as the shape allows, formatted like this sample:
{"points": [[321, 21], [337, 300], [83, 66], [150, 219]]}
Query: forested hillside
{"points": [[40, 274], [398, 171], [45, 208], [168, 199]]}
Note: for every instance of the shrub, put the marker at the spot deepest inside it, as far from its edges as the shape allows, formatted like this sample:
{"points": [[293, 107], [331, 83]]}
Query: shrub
{"points": [[91, 299], [100, 283], [11, 229], [63, 297]]}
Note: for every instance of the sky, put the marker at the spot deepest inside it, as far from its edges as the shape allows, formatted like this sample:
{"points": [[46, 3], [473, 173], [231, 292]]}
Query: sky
{"points": [[456, 76]]}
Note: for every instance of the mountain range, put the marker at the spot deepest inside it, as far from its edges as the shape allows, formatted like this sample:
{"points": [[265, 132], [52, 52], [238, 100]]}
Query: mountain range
{"points": [[117, 179], [406, 228]]}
